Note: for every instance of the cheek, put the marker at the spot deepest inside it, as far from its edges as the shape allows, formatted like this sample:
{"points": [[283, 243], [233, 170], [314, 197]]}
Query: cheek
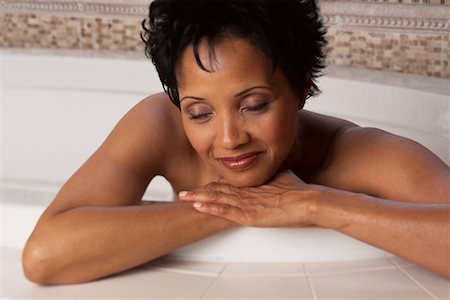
{"points": [[199, 139], [280, 129]]}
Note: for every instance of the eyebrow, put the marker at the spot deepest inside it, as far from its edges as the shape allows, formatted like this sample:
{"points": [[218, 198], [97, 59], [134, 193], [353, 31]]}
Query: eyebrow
{"points": [[237, 95], [192, 97], [252, 88]]}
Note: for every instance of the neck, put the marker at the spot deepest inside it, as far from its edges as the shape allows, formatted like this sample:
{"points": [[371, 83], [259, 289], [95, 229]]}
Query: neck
{"points": [[293, 160]]}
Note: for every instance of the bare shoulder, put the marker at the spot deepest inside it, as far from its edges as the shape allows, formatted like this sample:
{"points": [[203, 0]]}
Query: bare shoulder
{"points": [[320, 121], [147, 134], [316, 133], [139, 147], [381, 164]]}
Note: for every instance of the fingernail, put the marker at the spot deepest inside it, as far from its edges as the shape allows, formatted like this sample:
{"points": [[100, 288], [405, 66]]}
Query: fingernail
{"points": [[182, 194], [197, 205]]}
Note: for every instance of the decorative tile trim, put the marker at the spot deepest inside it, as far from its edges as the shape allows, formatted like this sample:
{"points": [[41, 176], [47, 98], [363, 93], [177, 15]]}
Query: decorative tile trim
{"points": [[434, 18], [387, 23], [131, 8]]}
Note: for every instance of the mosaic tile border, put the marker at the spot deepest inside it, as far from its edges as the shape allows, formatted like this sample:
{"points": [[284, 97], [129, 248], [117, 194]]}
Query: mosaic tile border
{"points": [[342, 13]]}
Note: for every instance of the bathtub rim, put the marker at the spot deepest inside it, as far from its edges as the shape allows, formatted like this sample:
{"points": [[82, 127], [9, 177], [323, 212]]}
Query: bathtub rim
{"points": [[231, 246], [415, 82]]}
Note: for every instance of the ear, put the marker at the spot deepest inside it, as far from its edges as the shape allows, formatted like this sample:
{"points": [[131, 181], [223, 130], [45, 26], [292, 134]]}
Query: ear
{"points": [[308, 84]]}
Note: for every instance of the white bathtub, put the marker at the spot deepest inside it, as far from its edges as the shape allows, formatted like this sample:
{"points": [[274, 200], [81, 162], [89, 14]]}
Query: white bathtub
{"points": [[57, 110]]}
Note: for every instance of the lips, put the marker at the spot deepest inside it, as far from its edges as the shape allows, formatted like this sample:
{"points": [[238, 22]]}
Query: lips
{"points": [[240, 162]]}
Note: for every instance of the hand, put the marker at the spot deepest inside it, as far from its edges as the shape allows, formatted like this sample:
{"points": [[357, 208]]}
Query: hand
{"points": [[286, 201]]}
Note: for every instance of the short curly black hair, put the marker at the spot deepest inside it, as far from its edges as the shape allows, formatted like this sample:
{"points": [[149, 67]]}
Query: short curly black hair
{"points": [[289, 32]]}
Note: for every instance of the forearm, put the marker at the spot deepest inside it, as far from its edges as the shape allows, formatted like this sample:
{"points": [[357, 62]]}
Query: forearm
{"points": [[92, 242], [418, 232]]}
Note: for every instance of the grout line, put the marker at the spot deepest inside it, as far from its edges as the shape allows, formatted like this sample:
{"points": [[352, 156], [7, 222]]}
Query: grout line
{"points": [[212, 282], [273, 275], [403, 263], [291, 274], [309, 279], [361, 270], [414, 280], [221, 270], [187, 272]]}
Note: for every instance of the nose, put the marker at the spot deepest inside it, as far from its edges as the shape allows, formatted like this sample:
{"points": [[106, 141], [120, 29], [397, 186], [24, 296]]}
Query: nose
{"points": [[231, 133]]}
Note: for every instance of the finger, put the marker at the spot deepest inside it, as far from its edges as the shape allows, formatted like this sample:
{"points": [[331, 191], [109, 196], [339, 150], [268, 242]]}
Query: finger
{"points": [[212, 186], [212, 192], [219, 210], [210, 196]]}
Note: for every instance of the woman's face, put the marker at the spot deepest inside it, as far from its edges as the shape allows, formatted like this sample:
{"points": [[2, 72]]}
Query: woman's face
{"points": [[241, 117]]}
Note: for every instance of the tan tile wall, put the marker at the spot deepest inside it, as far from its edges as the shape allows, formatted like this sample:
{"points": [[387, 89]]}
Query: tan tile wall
{"points": [[66, 32], [416, 51]]}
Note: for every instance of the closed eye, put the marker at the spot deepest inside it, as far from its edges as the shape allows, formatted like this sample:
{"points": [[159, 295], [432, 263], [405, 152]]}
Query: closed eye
{"points": [[199, 116], [257, 107]]}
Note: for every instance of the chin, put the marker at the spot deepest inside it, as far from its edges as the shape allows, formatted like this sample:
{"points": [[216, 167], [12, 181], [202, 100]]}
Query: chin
{"points": [[247, 180]]}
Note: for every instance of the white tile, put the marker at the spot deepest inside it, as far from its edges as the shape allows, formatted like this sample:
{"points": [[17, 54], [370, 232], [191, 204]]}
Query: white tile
{"points": [[149, 284], [178, 265], [15, 285], [259, 287], [139, 283], [438, 285], [263, 269], [377, 284], [315, 268]]}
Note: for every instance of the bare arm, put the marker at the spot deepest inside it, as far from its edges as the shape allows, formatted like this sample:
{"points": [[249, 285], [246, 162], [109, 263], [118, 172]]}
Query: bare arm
{"points": [[96, 226], [418, 232], [88, 243]]}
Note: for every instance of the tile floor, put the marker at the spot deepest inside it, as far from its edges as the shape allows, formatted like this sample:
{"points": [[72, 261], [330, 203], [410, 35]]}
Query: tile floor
{"points": [[172, 278]]}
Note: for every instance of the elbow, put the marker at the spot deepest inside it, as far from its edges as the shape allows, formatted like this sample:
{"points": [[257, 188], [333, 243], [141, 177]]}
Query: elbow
{"points": [[36, 262]]}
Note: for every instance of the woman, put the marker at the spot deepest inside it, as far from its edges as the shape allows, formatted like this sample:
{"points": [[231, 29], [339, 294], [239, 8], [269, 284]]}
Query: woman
{"points": [[238, 150]]}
